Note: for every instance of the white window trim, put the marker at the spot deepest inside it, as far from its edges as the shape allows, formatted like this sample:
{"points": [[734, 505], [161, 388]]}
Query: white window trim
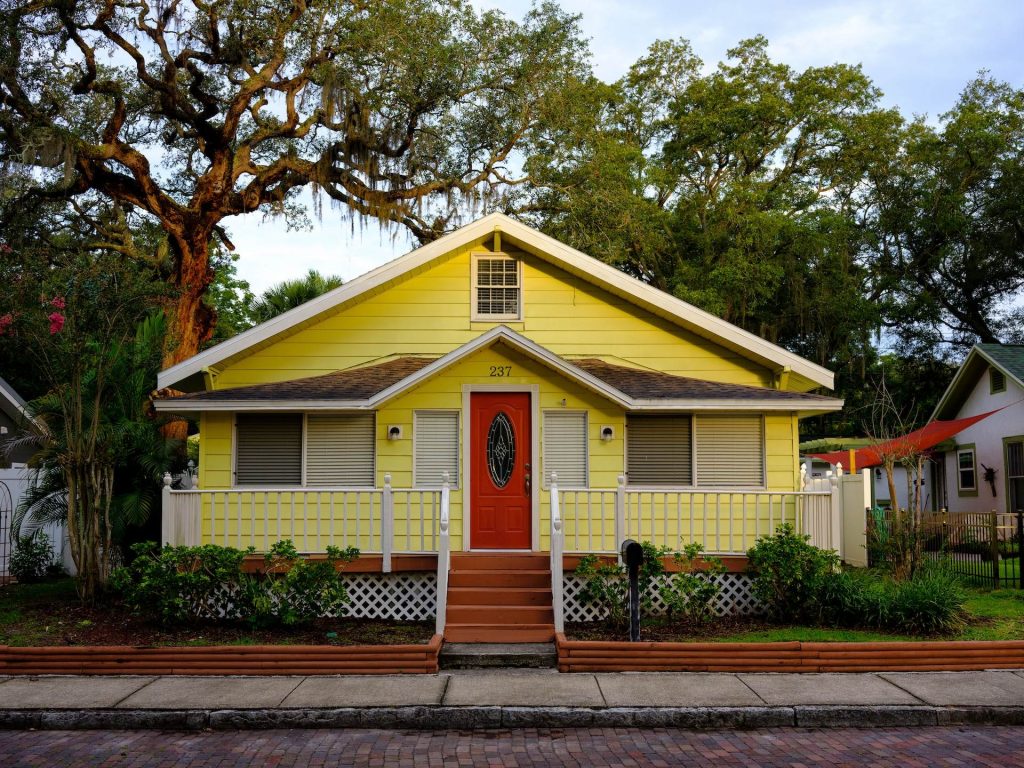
{"points": [[458, 446], [475, 316], [960, 470], [586, 447]]}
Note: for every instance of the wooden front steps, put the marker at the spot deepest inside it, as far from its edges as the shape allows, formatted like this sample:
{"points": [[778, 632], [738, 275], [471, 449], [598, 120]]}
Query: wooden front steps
{"points": [[499, 598]]}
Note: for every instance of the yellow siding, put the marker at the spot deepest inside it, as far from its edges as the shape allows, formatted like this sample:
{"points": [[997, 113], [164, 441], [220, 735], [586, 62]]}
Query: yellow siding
{"points": [[428, 312]]}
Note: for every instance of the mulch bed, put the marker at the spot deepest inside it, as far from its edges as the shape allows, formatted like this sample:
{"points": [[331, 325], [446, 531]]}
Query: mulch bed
{"points": [[673, 632], [65, 622]]}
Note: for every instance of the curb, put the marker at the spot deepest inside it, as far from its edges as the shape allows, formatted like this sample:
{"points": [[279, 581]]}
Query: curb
{"points": [[470, 718]]}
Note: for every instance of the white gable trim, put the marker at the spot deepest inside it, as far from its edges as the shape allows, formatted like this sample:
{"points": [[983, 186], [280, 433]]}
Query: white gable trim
{"points": [[683, 314], [961, 372], [16, 400], [521, 344]]}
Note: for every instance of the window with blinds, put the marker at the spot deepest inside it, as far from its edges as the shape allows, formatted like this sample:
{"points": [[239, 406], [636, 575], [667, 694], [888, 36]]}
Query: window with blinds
{"points": [[730, 451], [496, 289], [339, 450], [436, 437], [659, 450], [268, 449], [565, 448]]}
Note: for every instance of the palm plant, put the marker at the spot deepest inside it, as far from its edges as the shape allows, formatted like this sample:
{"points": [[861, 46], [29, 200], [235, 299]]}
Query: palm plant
{"points": [[289, 294]]}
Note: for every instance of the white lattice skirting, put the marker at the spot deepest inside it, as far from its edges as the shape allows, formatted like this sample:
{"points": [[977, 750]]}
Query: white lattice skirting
{"points": [[403, 596], [735, 598]]}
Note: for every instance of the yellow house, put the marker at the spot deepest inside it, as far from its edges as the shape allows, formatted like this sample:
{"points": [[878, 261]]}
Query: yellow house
{"points": [[503, 397]]}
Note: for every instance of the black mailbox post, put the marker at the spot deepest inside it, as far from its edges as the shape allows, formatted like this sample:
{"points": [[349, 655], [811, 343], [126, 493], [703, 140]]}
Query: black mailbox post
{"points": [[633, 557]]}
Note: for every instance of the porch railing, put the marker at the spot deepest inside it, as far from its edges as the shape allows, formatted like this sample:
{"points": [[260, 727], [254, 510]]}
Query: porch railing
{"points": [[723, 521], [375, 520]]}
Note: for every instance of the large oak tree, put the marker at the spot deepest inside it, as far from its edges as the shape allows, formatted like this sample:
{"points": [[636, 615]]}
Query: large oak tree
{"points": [[188, 112]]}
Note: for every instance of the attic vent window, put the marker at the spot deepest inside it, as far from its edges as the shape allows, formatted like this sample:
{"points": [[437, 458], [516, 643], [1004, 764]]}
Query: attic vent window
{"points": [[496, 288], [996, 380]]}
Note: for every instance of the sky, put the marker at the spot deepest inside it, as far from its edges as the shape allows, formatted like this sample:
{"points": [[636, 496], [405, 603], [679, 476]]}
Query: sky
{"points": [[919, 53]]}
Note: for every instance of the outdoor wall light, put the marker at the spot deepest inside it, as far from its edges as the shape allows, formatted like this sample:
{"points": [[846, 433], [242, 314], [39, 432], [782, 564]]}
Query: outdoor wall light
{"points": [[394, 432], [607, 433]]}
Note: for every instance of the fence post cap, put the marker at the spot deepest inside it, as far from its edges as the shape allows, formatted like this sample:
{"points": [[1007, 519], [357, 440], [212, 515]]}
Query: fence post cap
{"points": [[168, 479]]}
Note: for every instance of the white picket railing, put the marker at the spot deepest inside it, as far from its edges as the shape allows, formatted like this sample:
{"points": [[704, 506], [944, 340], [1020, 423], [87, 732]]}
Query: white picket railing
{"points": [[723, 521], [444, 559], [557, 547], [374, 520]]}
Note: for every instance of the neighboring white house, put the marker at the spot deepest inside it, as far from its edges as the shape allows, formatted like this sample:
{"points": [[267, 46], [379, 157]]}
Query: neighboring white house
{"points": [[984, 470]]}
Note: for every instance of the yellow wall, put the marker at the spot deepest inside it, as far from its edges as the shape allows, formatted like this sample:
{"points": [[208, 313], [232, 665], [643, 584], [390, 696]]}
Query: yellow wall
{"points": [[445, 391], [428, 312]]}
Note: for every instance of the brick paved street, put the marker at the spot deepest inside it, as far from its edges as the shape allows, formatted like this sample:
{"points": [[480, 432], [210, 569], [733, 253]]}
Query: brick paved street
{"points": [[907, 748]]}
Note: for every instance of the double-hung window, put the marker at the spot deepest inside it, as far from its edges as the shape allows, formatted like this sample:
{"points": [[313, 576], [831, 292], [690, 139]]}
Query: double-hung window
{"points": [[966, 471], [497, 288]]}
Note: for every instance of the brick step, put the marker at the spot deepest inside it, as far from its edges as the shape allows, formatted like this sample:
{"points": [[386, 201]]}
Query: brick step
{"points": [[519, 579], [488, 633], [499, 596], [502, 615], [504, 562]]}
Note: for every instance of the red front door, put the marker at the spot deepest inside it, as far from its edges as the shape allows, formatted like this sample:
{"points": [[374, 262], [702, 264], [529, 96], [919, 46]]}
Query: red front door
{"points": [[499, 466]]}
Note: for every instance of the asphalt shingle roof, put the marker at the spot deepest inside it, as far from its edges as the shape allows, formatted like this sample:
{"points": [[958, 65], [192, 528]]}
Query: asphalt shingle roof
{"points": [[1009, 356]]}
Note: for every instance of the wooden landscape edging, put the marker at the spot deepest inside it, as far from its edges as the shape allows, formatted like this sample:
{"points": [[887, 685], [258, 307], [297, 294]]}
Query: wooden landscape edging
{"points": [[222, 660], [933, 656]]}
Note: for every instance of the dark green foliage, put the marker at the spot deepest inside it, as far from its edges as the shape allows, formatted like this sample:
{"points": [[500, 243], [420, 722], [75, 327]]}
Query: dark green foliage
{"points": [[788, 573], [32, 558], [932, 602], [607, 584], [174, 585], [293, 590], [690, 592]]}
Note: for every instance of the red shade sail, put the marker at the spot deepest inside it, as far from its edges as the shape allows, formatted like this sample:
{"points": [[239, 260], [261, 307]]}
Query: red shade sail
{"points": [[918, 441]]}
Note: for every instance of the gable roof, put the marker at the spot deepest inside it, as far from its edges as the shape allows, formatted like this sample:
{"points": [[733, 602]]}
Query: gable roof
{"points": [[369, 386], [1008, 358], [804, 374]]}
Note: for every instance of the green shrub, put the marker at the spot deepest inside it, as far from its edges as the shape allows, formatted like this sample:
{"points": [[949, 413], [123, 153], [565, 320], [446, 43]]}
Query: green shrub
{"points": [[293, 590], [788, 573], [691, 591], [32, 558], [932, 602], [174, 585], [606, 585]]}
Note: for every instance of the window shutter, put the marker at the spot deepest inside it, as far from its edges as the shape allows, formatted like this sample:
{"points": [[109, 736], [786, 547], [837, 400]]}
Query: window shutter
{"points": [[268, 449], [339, 450], [658, 450], [565, 448], [730, 451], [997, 380], [437, 448]]}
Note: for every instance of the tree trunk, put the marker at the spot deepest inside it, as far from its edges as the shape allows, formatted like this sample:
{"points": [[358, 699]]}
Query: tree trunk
{"points": [[190, 321]]}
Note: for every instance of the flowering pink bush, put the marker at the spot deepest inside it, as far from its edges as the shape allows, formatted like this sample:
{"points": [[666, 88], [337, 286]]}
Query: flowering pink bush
{"points": [[6, 321], [57, 302], [56, 322]]}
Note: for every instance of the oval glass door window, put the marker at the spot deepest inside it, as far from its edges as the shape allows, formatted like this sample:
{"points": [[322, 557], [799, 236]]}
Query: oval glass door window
{"points": [[501, 450]]}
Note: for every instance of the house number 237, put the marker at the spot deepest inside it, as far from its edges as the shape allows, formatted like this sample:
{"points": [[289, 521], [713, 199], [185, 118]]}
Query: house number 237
{"points": [[501, 371]]}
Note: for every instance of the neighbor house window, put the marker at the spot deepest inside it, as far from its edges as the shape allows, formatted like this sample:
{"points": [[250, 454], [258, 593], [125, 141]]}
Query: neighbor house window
{"points": [[705, 451], [436, 448], [996, 381], [565, 448], [967, 471], [497, 293], [290, 449], [268, 449]]}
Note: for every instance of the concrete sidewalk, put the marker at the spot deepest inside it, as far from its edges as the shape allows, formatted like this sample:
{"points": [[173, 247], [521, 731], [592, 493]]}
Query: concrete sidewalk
{"points": [[510, 698]]}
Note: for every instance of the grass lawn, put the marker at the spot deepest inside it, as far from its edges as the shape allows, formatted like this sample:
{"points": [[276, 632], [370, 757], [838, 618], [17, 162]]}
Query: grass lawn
{"points": [[49, 613]]}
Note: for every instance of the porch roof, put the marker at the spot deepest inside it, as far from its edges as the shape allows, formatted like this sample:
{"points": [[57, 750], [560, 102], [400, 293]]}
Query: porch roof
{"points": [[368, 386]]}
